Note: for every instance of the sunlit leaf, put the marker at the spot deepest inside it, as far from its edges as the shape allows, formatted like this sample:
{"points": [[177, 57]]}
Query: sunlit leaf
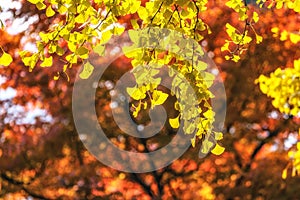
{"points": [[5, 59], [49, 11], [218, 150], [99, 49], [87, 71], [174, 122], [158, 97], [47, 62]]}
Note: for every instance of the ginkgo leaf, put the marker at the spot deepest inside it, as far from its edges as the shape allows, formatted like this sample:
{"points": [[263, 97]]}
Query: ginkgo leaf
{"points": [[87, 71], [174, 122], [135, 93], [56, 77], [134, 24], [134, 36], [200, 65], [49, 11], [218, 150], [34, 1], [105, 37], [158, 97], [40, 5], [255, 17], [99, 49], [72, 58], [206, 146], [5, 59], [218, 135], [82, 52], [47, 62], [295, 38], [259, 39]]}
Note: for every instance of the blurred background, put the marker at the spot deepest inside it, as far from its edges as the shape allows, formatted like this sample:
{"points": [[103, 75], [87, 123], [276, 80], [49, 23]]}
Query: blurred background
{"points": [[42, 156]]}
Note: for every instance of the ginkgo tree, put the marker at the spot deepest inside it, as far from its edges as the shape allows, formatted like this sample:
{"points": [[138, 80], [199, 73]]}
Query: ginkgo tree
{"points": [[88, 25]]}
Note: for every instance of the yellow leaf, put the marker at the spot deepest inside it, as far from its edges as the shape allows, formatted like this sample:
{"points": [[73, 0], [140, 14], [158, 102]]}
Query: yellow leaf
{"points": [[158, 97], [49, 11], [218, 150], [82, 52], [105, 37], [225, 47], [284, 173], [134, 35], [200, 65], [135, 93], [255, 17], [56, 77], [284, 35], [206, 146], [87, 71], [134, 24], [258, 39], [143, 13], [295, 38], [297, 67], [72, 58], [5, 59], [193, 141], [47, 62], [1, 25], [118, 30], [209, 114], [218, 135], [297, 6], [298, 146], [34, 1], [174, 123], [99, 49]]}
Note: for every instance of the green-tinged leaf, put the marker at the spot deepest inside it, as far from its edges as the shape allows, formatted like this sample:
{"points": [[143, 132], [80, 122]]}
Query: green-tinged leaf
{"points": [[134, 24], [218, 135], [99, 49], [206, 146], [5, 59], [200, 65], [218, 150], [1, 25], [82, 52], [87, 71], [193, 141], [40, 5], [174, 122], [134, 35]]}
